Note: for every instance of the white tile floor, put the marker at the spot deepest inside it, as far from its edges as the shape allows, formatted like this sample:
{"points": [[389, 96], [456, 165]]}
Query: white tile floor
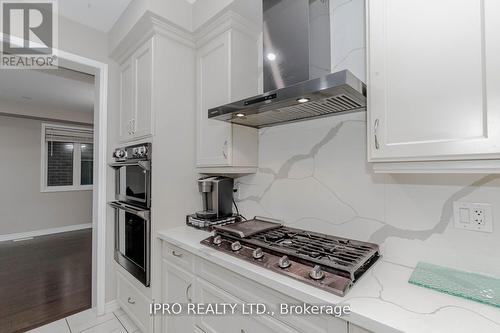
{"points": [[88, 322]]}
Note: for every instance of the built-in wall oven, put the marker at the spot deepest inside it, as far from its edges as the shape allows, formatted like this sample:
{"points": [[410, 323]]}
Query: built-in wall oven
{"points": [[133, 174], [132, 210]]}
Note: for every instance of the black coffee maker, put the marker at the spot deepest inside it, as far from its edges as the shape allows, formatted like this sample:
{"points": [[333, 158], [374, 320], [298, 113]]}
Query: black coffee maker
{"points": [[217, 197]]}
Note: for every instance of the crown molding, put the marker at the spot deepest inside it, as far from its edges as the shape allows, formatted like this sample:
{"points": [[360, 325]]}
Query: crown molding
{"points": [[146, 27], [228, 20]]}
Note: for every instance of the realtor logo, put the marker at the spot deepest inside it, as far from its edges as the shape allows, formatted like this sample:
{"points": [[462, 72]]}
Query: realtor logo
{"points": [[30, 33]]}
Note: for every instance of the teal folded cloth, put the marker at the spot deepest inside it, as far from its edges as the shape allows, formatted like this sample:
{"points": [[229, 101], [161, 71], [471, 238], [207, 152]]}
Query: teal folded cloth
{"points": [[472, 286]]}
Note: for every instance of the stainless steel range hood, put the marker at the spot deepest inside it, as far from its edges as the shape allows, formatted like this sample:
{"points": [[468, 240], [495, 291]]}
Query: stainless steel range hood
{"points": [[297, 64]]}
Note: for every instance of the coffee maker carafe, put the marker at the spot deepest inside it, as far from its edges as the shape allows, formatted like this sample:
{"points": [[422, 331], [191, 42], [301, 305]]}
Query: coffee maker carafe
{"points": [[217, 197]]}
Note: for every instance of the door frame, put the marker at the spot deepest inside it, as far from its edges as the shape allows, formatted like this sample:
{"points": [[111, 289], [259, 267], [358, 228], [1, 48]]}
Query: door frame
{"points": [[100, 71]]}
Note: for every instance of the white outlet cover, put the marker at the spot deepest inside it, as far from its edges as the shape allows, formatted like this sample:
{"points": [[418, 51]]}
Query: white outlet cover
{"points": [[464, 216]]}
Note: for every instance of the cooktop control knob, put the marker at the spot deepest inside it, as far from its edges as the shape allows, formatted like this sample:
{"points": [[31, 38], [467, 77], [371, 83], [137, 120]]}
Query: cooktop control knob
{"points": [[217, 240], [284, 262], [257, 253], [135, 151], [236, 246], [316, 273]]}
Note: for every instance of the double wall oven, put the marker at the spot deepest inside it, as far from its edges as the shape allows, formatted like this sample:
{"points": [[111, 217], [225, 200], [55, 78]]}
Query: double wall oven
{"points": [[132, 210]]}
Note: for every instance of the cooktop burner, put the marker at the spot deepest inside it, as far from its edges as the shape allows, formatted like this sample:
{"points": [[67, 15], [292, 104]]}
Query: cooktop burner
{"points": [[329, 262]]}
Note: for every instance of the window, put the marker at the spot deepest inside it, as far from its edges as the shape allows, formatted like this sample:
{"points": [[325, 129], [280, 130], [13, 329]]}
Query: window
{"points": [[67, 158]]}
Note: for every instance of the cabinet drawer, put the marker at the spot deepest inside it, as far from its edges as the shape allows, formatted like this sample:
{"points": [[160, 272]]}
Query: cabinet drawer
{"points": [[178, 256], [134, 303], [356, 329], [250, 291], [208, 293]]}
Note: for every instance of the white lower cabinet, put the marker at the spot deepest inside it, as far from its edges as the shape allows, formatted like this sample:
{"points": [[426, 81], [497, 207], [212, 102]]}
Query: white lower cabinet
{"points": [[177, 288], [188, 278], [134, 303]]}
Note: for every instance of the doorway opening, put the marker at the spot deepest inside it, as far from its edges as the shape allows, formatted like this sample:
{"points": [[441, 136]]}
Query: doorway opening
{"points": [[47, 130], [99, 71]]}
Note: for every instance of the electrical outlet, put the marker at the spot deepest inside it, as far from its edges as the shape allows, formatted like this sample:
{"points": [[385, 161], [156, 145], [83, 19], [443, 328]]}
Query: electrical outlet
{"points": [[236, 192], [473, 216]]}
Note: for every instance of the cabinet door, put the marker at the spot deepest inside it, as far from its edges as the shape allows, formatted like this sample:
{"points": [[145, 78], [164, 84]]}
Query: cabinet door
{"points": [[143, 68], [177, 288], [126, 100], [213, 89], [433, 82]]}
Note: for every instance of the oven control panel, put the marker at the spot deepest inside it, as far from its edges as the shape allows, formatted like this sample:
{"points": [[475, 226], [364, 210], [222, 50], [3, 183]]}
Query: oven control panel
{"points": [[140, 151]]}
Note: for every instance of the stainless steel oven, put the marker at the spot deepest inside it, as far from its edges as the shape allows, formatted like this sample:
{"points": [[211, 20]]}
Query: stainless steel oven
{"points": [[132, 240], [132, 210], [133, 174]]}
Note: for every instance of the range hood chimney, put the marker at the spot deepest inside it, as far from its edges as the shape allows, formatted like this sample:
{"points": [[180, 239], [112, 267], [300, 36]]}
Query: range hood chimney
{"points": [[298, 82]]}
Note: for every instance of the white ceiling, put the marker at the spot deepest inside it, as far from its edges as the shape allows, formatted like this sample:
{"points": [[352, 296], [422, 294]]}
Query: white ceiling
{"points": [[98, 14], [61, 89]]}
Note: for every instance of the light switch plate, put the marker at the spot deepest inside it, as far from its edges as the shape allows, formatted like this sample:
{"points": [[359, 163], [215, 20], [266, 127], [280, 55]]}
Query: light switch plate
{"points": [[473, 216]]}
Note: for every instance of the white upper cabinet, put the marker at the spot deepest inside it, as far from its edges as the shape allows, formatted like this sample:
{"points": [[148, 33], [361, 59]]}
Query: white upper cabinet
{"points": [[143, 62], [136, 77], [227, 71], [214, 89], [126, 99], [433, 80]]}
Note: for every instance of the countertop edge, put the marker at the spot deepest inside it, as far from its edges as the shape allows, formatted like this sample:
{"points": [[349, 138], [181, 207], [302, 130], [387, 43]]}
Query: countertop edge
{"points": [[245, 269]]}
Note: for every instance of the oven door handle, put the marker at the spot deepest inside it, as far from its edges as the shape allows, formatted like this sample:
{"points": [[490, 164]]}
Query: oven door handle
{"points": [[146, 165], [142, 213]]}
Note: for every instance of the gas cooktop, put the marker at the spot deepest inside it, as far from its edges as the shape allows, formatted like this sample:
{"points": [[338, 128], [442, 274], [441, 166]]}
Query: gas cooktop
{"points": [[328, 262]]}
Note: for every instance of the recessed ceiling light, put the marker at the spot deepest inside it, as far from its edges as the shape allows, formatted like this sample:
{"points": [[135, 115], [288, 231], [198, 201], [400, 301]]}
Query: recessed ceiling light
{"points": [[303, 100], [240, 115], [271, 56]]}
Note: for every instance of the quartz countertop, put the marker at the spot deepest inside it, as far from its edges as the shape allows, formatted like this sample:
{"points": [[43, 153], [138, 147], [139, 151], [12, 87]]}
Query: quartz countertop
{"points": [[382, 300]]}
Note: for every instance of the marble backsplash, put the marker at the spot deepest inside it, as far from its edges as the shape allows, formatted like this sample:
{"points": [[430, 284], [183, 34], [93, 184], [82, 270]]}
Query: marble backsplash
{"points": [[314, 175]]}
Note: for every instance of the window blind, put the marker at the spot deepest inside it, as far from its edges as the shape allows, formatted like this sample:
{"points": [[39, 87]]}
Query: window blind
{"points": [[68, 134]]}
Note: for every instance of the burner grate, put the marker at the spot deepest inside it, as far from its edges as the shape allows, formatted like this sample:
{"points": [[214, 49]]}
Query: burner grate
{"points": [[337, 253]]}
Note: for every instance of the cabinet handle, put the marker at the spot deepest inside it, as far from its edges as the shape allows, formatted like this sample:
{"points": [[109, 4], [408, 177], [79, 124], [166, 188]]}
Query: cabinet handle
{"points": [[130, 127], [224, 148], [130, 300], [375, 134], [187, 293], [175, 254]]}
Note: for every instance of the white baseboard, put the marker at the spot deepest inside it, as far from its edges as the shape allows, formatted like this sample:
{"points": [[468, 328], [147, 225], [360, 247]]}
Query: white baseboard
{"points": [[35, 233], [111, 306]]}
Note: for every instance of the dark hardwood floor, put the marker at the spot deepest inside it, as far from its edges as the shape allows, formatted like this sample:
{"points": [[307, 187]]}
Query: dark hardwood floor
{"points": [[44, 279]]}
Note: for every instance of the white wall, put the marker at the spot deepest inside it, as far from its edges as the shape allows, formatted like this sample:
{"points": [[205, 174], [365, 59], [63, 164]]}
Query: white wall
{"points": [[30, 110], [85, 41], [314, 175], [22, 206]]}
